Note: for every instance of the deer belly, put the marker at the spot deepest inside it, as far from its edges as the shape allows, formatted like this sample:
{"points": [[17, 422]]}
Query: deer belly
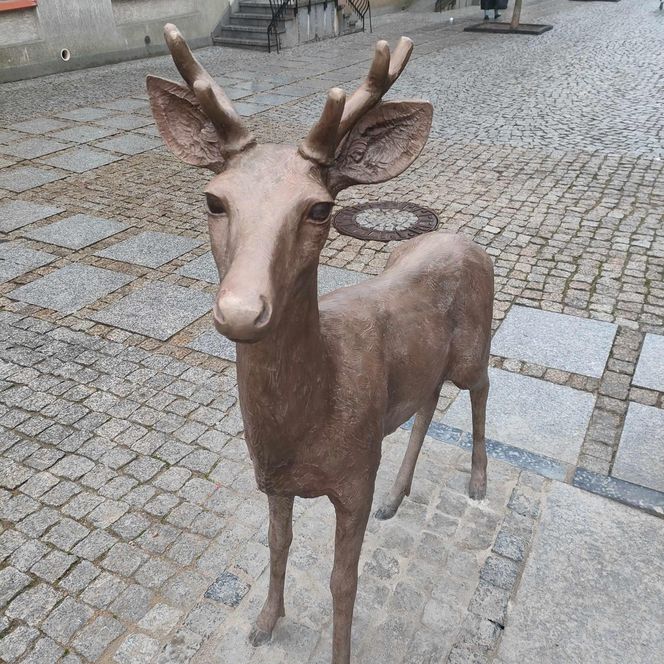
{"points": [[294, 479]]}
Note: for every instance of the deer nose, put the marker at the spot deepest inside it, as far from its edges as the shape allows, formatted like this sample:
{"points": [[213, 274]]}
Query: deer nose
{"points": [[241, 317]]}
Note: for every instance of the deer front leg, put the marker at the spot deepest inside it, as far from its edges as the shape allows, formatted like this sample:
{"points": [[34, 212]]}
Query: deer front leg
{"points": [[280, 536], [401, 487], [351, 524], [478, 399]]}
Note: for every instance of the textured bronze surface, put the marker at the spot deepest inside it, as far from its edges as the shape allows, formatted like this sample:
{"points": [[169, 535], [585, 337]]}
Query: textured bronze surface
{"points": [[345, 221], [323, 381]]}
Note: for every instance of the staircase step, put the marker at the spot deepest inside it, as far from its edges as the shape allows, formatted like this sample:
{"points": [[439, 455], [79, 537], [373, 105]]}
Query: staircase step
{"points": [[250, 44], [258, 20], [261, 8], [245, 32]]}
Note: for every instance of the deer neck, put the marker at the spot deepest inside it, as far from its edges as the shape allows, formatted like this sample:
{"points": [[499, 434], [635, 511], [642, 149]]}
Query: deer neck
{"points": [[284, 379]]}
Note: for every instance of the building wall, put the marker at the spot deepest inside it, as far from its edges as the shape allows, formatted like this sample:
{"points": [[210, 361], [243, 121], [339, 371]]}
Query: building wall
{"points": [[61, 35]]}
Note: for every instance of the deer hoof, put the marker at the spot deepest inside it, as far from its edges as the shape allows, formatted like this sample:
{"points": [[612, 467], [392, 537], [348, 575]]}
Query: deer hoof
{"points": [[258, 637], [386, 512], [477, 490]]}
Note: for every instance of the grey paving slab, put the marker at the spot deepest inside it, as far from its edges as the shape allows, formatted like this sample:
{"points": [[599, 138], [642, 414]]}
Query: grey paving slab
{"points": [[640, 457], [4, 163], [331, 278], [86, 113], [650, 367], [202, 268], [126, 105], [31, 148], [76, 232], [125, 121], [246, 109], [270, 99], [213, 343], [70, 288], [235, 92], [16, 214], [555, 340], [82, 159], [252, 86], [7, 136], [591, 587], [130, 143], [150, 249], [84, 133], [28, 177], [16, 259], [38, 125], [148, 131], [158, 310], [530, 413]]}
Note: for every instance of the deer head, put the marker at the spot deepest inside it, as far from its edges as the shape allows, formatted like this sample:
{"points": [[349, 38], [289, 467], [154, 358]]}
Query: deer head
{"points": [[269, 205]]}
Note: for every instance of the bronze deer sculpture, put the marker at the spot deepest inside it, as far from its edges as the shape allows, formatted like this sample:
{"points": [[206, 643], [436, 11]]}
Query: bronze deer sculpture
{"points": [[321, 383]]}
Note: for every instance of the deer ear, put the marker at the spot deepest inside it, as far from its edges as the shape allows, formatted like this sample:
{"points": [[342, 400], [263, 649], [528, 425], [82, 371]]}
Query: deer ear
{"points": [[383, 144], [186, 130]]}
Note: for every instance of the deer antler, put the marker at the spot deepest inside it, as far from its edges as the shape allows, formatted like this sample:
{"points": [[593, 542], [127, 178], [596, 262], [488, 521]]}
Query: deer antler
{"points": [[217, 106], [340, 115]]}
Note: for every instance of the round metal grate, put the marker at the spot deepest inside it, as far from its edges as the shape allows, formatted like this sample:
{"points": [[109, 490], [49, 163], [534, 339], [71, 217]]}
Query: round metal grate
{"points": [[385, 221]]}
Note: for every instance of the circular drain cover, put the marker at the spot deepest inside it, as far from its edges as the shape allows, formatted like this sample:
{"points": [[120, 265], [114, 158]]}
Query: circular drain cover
{"points": [[385, 221]]}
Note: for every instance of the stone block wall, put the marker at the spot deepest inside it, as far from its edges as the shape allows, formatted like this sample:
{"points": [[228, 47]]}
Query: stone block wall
{"points": [[61, 35]]}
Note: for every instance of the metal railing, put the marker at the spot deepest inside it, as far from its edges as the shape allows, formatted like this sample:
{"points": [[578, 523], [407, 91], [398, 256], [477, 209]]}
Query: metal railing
{"points": [[279, 8], [361, 8]]}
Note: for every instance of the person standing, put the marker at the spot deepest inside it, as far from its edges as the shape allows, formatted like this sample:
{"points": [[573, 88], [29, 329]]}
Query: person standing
{"points": [[495, 5]]}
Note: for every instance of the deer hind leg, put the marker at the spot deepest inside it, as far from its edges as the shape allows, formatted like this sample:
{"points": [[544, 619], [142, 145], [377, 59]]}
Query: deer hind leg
{"points": [[280, 536], [478, 399], [404, 480], [351, 525]]}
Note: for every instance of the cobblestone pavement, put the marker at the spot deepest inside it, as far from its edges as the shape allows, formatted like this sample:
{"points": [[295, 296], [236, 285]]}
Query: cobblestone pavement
{"points": [[130, 527]]}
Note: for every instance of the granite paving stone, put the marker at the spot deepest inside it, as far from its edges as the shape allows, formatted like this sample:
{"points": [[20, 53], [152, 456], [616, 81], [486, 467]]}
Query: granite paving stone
{"points": [[124, 121], [38, 125], [84, 133], [157, 310], [213, 343], [93, 639], [30, 148], [331, 278], [650, 367], [16, 259], [202, 268], [588, 548], [137, 649], [150, 249], [9, 136], [126, 105], [86, 113], [578, 345], [530, 413], [640, 457], [248, 109], [22, 178], [130, 143], [16, 214], [81, 159], [70, 288], [76, 232]]}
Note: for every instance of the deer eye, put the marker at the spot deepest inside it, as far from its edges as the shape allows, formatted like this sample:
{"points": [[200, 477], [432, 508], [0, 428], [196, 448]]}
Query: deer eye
{"points": [[320, 211], [215, 205]]}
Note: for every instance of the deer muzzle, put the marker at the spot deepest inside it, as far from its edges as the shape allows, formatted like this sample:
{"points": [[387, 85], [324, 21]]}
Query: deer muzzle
{"points": [[243, 317]]}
